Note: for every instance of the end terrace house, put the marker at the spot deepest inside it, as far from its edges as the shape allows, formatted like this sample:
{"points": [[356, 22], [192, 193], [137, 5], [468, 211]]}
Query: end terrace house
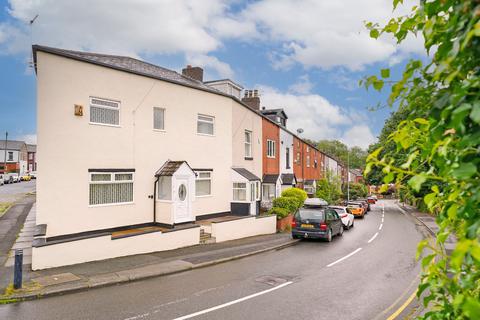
{"points": [[136, 158]]}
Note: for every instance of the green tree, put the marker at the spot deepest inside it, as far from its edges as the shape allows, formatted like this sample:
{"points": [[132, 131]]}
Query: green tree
{"points": [[440, 138], [357, 190], [329, 188], [339, 150]]}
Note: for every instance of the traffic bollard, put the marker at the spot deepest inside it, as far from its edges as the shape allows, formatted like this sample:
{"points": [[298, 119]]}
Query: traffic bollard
{"points": [[17, 274]]}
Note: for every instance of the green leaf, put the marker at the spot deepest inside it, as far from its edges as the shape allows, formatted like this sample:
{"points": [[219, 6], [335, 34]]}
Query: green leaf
{"points": [[421, 121], [378, 85], [475, 114], [429, 200], [416, 182], [389, 177], [472, 308], [464, 171], [426, 261], [374, 33], [385, 73]]}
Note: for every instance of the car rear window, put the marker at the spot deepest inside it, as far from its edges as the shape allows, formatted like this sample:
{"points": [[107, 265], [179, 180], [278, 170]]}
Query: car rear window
{"points": [[311, 214], [339, 211]]}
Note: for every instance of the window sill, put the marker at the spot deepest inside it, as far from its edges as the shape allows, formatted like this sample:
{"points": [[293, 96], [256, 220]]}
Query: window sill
{"points": [[110, 204], [164, 201], [105, 125], [248, 158], [205, 196], [270, 157], [159, 130], [205, 134]]}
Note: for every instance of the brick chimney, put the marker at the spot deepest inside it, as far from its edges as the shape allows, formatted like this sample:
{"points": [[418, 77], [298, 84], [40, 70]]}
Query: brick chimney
{"points": [[252, 99], [195, 73]]}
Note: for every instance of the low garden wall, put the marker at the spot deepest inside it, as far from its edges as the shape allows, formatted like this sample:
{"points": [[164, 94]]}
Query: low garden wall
{"points": [[244, 227]]}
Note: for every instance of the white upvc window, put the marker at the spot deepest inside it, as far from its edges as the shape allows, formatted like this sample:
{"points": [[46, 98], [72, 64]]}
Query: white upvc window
{"points": [[203, 183], [307, 160], [258, 195], [298, 158], [165, 188], [10, 156], [103, 111], [158, 118], [111, 188], [239, 191], [248, 144], [270, 148], [309, 189], [205, 125], [308, 149], [268, 192]]}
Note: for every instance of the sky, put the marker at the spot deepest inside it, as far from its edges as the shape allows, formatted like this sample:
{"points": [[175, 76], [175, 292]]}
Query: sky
{"points": [[305, 56]]}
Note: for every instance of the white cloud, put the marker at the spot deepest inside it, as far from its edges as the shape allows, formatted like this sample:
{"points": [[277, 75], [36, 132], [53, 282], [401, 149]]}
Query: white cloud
{"points": [[303, 86], [219, 68], [358, 135], [28, 138]]}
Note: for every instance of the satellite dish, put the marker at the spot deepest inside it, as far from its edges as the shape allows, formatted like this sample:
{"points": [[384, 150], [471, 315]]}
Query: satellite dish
{"points": [[299, 130]]}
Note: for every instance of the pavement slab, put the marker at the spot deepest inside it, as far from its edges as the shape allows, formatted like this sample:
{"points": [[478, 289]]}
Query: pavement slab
{"points": [[56, 279]]}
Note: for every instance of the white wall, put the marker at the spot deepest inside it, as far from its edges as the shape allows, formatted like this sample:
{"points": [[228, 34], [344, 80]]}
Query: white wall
{"points": [[68, 145], [245, 227], [101, 248], [286, 141]]}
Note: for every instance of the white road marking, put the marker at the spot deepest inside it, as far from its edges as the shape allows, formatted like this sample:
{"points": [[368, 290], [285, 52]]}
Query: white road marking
{"points": [[382, 219], [381, 226], [188, 316], [373, 238], [347, 256]]}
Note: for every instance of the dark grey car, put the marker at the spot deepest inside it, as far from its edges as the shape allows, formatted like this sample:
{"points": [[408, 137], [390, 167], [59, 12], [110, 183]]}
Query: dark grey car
{"points": [[316, 223]]}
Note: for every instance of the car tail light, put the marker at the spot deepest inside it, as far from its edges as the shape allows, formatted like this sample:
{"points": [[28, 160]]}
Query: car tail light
{"points": [[345, 215], [323, 226], [294, 223]]}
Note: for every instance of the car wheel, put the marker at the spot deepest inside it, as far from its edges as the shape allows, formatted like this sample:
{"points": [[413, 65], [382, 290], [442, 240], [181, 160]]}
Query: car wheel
{"points": [[294, 237], [340, 233], [347, 226], [353, 223], [329, 235]]}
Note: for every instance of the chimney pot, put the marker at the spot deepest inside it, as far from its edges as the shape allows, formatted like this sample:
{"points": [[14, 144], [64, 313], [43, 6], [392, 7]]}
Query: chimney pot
{"points": [[252, 99]]}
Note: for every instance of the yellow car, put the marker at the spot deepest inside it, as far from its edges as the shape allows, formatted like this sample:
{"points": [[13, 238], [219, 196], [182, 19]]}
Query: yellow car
{"points": [[25, 177], [356, 209]]}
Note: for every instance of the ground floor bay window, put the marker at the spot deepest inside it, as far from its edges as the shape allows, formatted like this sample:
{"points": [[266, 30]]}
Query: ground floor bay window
{"points": [[246, 190], [268, 192], [108, 188]]}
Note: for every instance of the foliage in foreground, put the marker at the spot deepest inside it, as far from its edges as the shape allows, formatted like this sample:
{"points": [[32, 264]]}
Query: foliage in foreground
{"points": [[298, 193], [440, 137]]}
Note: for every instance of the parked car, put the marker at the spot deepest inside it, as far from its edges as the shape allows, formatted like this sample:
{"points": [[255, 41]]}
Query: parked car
{"points": [[33, 174], [25, 177], [2, 181], [371, 200], [316, 223], [356, 209], [348, 219], [365, 203], [13, 177]]}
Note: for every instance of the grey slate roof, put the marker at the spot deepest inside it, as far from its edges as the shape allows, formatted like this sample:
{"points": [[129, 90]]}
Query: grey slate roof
{"points": [[277, 111], [270, 178], [169, 168], [288, 178], [127, 64], [309, 182], [246, 174], [12, 144], [31, 148]]}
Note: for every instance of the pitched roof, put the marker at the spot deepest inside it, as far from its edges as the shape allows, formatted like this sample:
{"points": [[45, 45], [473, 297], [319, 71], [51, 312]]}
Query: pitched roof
{"points": [[274, 111], [31, 148], [170, 167], [12, 144], [246, 174], [270, 178], [288, 178], [127, 64]]}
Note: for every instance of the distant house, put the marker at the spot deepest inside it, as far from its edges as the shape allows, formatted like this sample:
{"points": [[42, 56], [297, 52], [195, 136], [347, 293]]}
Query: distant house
{"points": [[14, 153], [356, 175], [32, 157]]}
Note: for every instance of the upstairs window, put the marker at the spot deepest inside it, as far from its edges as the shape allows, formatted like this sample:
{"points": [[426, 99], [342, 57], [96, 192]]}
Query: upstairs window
{"points": [[205, 124], [298, 158], [111, 188], [307, 160], [203, 183], [158, 118], [104, 111], [270, 149], [248, 144], [287, 158], [10, 156]]}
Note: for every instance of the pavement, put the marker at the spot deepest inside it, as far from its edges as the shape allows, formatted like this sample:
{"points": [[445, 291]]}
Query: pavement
{"points": [[368, 273]]}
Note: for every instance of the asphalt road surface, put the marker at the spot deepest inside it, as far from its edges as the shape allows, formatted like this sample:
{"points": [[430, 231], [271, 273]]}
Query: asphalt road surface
{"points": [[14, 191], [358, 276]]}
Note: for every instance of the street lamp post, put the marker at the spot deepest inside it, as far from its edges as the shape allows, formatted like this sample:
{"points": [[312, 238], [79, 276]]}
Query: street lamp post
{"points": [[5, 154], [348, 175]]}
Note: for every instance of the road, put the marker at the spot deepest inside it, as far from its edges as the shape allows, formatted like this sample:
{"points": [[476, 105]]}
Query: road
{"points": [[14, 191], [357, 276]]}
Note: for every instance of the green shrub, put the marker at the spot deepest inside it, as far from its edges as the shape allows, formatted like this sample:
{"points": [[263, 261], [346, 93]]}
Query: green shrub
{"points": [[279, 212], [300, 194], [291, 204]]}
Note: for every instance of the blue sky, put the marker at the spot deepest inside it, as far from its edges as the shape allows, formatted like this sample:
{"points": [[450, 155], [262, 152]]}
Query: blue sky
{"points": [[304, 56]]}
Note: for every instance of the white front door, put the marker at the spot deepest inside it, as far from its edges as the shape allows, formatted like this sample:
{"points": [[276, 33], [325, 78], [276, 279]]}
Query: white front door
{"points": [[182, 200]]}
